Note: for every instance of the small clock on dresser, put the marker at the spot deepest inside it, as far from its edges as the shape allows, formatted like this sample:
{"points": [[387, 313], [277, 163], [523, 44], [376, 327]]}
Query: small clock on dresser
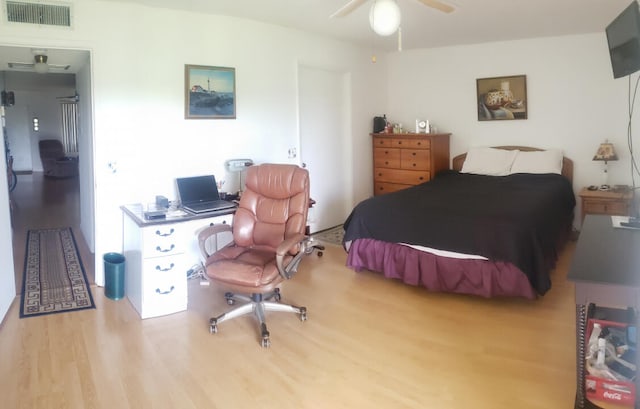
{"points": [[422, 126]]}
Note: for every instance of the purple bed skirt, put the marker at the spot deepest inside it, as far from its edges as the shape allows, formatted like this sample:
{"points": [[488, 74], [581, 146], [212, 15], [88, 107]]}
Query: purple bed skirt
{"points": [[444, 274]]}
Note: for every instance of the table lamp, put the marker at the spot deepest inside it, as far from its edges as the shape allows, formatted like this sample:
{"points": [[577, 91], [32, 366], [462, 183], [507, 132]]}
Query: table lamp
{"points": [[605, 153]]}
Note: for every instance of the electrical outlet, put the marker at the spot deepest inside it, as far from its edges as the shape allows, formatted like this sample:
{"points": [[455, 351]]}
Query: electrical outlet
{"points": [[292, 153]]}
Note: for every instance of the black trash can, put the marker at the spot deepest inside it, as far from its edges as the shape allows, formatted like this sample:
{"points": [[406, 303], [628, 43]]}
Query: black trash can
{"points": [[114, 275]]}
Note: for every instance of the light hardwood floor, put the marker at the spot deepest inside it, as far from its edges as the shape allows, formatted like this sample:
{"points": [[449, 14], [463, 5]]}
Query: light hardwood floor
{"points": [[369, 342]]}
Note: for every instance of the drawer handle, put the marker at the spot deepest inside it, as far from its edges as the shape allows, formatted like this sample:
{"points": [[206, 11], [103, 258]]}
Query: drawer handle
{"points": [[399, 142], [170, 290], [413, 153], [164, 234], [379, 174], [421, 178], [165, 269], [386, 162], [386, 152], [414, 165], [165, 250]]}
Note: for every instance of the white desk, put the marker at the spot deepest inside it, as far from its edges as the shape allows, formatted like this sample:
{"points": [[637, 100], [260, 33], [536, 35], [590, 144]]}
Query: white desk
{"points": [[158, 254]]}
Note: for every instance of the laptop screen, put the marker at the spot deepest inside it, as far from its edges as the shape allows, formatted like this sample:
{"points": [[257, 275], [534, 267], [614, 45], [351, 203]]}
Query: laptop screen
{"points": [[197, 189]]}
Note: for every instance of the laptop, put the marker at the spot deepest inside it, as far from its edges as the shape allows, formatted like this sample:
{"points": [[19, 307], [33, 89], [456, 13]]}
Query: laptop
{"points": [[199, 194]]}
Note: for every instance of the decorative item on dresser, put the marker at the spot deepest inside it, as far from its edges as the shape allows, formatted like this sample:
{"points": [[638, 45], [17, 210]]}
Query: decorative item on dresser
{"points": [[404, 160], [612, 202]]}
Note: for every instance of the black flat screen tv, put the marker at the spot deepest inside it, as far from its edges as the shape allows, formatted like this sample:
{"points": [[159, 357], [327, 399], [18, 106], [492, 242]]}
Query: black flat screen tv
{"points": [[623, 38]]}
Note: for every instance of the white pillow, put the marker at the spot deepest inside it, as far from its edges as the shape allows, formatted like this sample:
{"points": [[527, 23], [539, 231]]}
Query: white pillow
{"points": [[489, 161], [549, 161]]}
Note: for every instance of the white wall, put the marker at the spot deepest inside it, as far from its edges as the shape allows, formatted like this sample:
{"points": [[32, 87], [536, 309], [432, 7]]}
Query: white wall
{"points": [[573, 101], [7, 278], [138, 57]]}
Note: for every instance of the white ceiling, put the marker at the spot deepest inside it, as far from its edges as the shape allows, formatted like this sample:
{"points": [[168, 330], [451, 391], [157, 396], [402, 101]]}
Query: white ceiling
{"points": [[474, 21]]}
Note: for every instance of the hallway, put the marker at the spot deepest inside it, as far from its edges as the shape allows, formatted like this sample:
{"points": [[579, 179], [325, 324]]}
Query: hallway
{"points": [[38, 202]]}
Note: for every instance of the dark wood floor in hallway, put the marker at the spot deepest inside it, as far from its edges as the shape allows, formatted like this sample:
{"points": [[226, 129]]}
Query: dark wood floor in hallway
{"points": [[37, 203]]}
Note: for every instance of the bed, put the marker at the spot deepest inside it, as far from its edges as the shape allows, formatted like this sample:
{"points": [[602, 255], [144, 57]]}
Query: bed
{"points": [[491, 226]]}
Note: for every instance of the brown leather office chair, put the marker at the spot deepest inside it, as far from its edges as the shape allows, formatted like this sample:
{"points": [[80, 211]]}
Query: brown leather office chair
{"points": [[269, 242]]}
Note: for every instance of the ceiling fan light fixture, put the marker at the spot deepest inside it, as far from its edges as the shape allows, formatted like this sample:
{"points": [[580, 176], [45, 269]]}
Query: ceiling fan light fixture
{"points": [[384, 17], [40, 65]]}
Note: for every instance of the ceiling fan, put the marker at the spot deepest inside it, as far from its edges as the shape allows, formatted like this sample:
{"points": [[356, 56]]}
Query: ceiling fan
{"points": [[354, 4], [40, 64]]}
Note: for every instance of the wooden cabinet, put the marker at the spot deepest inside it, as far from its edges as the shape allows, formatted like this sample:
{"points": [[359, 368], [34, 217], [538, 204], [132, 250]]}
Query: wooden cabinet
{"points": [[404, 160], [157, 259], [605, 202]]}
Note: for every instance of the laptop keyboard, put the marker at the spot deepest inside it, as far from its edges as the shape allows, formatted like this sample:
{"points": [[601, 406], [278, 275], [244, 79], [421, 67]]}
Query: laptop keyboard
{"points": [[210, 205]]}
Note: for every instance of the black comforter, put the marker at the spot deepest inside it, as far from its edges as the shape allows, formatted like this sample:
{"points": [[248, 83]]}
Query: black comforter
{"points": [[517, 218]]}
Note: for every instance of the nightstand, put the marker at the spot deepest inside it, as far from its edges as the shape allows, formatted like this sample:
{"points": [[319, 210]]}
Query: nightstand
{"points": [[610, 202]]}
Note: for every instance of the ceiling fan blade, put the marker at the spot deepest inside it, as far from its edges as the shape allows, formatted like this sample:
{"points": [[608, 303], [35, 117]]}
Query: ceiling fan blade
{"points": [[348, 8], [438, 5], [20, 65], [59, 67], [28, 65]]}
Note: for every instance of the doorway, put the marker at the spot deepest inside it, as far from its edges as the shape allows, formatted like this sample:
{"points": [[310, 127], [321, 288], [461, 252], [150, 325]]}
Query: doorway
{"points": [[40, 202]]}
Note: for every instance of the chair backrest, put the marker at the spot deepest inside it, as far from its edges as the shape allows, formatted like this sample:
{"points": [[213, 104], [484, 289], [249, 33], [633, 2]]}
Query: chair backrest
{"points": [[273, 206], [51, 149]]}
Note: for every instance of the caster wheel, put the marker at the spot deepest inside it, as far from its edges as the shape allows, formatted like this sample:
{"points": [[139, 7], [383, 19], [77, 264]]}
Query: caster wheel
{"points": [[265, 343], [213, 329], [277, 296], [319, 254], [230, 301], [303, 314]]}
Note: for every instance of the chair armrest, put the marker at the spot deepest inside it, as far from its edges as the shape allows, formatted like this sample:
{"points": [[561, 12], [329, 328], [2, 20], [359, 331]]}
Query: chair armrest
{"points": [[210, 231], [288, 245], [285, 248]]}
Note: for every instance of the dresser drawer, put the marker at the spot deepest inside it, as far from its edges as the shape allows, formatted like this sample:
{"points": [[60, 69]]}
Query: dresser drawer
{"points": [[416, 159], [411, 143], [409, 177], [163, 240], [386, 157], [381, 188], [606, 207], [382, 142]]}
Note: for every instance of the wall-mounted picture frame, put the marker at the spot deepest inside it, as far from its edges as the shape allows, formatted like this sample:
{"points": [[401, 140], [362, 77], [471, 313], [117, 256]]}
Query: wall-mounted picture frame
{"points": [[210, 92], [502, 98]]}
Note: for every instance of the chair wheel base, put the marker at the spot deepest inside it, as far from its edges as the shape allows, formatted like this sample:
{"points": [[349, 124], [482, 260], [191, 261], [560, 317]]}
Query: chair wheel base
{"points": [[264, 342]]}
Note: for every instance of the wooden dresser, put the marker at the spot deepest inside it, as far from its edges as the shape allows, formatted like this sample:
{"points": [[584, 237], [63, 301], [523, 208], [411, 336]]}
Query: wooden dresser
{"points": [[404, 160]]}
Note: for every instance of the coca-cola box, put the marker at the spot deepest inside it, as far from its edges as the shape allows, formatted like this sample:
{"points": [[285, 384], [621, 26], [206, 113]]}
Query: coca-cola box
{"points": [[603, 389]]}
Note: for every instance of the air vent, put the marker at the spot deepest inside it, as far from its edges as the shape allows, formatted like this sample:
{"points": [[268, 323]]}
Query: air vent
{"points": [[39, 13]]}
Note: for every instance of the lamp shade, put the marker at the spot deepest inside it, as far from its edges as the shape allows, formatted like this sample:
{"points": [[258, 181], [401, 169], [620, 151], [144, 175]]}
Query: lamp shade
{"points": [[384, 17], [606, 152]]}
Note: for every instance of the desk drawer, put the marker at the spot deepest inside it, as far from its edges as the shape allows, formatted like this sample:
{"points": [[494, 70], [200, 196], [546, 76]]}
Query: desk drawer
{"points": [[163, 240], [164, 290]]}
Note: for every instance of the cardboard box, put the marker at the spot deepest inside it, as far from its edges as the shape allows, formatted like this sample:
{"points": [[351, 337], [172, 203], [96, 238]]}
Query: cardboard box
{"points": [[620, 392]]}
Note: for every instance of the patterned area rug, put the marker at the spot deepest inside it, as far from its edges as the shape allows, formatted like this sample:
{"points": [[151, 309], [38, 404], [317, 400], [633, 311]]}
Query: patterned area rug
{"points": [[54, 279], [333, 235]]}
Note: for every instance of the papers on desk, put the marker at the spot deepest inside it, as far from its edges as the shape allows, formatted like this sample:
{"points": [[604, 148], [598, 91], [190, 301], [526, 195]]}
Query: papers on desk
{"points": [[617, 221], [176, 213]]}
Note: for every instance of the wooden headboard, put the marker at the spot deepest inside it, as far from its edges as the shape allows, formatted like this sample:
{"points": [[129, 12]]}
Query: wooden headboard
{"points": [[567, 164]]}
